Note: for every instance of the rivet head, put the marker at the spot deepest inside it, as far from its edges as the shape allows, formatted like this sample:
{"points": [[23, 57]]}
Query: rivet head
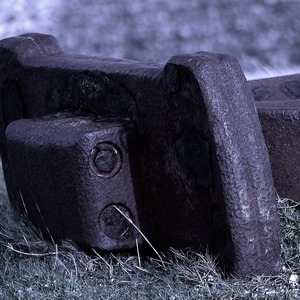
{"points": [[106, 159], [114, 223], [261, 93], [292, 88]]}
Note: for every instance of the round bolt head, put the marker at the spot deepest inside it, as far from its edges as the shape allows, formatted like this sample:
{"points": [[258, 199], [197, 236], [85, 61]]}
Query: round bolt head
{"points": [[106, 159], [113, 223]]}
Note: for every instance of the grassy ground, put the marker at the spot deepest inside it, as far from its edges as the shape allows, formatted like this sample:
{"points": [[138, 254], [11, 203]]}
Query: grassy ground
{"points": [[32, 268]]}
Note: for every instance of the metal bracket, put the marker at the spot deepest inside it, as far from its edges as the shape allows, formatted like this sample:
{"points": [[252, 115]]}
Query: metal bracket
{"points": [[88, 143]]}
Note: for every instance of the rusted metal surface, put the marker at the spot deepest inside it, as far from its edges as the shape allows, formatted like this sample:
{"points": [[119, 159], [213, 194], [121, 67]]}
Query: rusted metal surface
{"points": [[69, 172], [278, 106], [178, 149]]}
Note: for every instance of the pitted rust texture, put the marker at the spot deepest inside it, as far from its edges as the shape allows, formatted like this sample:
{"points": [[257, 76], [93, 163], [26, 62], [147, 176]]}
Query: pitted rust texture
{"points": [[196, 165], [279, 113]]}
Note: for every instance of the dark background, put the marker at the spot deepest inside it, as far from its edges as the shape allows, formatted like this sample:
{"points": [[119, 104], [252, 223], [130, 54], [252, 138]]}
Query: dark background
{"points": [[263, 35]]}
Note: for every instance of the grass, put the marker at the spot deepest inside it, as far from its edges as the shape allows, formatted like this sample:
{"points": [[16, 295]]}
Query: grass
{"points": [[32, 268]]}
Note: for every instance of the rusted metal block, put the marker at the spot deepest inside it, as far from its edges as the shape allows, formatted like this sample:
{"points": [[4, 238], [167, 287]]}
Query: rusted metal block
{"points": [[278, 106], [199, 173], [70, 173]]}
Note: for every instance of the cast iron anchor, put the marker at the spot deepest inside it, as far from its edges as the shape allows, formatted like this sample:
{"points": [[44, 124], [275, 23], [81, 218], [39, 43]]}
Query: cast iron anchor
{"points": [[177, 148]]}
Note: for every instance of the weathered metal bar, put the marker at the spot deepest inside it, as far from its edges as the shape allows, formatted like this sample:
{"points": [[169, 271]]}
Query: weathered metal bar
{"points": [[278, 106], [198, 173]]}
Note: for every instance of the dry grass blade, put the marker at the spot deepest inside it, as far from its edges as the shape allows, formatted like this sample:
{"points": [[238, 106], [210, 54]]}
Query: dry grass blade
{"points": [[101, 258], [138, 252], [10, 247], [141, 233]]}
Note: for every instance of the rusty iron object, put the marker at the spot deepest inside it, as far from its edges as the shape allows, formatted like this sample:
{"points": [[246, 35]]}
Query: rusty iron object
{"points": [[278, 107], [90, 145]]}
